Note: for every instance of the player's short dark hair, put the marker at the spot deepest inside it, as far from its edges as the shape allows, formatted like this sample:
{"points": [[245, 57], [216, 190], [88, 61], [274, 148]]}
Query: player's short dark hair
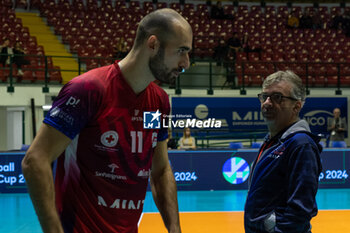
{"points": [[158, 23]]}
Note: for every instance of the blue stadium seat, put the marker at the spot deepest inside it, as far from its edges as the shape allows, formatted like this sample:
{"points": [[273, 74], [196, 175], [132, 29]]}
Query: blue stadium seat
{"points": [[235, 145], [339, 144], [323, 144], [24, 147], [256, 144]]}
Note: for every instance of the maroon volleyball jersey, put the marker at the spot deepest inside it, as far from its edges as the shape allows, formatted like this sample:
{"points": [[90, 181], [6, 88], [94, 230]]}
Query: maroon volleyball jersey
{"points": [[101, 178]]}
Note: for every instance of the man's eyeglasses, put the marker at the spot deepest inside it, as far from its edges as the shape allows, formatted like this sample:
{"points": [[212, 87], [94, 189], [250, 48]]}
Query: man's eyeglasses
{"points": [[275, 97]]}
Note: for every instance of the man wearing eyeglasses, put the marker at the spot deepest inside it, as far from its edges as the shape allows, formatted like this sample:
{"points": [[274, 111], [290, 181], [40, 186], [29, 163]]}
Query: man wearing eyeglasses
{"points": [[284, 178]]}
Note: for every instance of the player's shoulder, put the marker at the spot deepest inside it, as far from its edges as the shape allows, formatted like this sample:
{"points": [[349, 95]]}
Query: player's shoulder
{"points": [[93, 80]]}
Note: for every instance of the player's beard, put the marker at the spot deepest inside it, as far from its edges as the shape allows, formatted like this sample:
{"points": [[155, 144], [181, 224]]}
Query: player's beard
{"points": [[159, 70]]}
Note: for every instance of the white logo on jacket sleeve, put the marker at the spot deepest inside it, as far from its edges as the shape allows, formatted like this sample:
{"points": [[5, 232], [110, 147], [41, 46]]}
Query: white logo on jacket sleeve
{"points": [[109, 138]]}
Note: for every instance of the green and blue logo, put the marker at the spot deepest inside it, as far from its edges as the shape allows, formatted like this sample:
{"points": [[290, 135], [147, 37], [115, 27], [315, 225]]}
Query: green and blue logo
{"points": [[235, 170]]}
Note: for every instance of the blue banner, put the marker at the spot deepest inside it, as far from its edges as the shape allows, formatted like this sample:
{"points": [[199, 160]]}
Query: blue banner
{"points": [[229, 170], [239, 114], [202, 170], [11, 177]]}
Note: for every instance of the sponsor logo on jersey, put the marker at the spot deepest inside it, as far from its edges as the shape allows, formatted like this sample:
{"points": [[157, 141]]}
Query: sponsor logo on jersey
{"points": [[113, 166], [143, 173], [54, 112], [112, 175], [151, 120], [121, 204], [72, 101], [136, 117], [59, 113], [109, 138], [104, 148]]}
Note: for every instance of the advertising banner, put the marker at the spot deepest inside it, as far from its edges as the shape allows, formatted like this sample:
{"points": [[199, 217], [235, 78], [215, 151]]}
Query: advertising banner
{"points": [[202, 170], [229, 170], [238, 114], [11, 177]]}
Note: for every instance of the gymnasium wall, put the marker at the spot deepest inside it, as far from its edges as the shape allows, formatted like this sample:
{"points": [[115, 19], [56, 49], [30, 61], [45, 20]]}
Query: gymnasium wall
{"points": [[23, 95]]}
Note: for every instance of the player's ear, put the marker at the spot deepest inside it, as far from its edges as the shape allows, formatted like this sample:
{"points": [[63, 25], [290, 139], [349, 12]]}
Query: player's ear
{"points": [[153, 44]]}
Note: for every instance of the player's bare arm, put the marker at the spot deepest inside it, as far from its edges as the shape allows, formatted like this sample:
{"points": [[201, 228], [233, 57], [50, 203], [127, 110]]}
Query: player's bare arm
{"points": [[164, 188], [36, 165]]}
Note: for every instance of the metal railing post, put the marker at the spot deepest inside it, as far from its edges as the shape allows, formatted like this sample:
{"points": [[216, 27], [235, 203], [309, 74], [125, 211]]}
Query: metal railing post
{"points": [[177, 85], [307, 79], [79, 66], [45, 87], [242, 91], [11, 88], [338, 91], [210, 90]]}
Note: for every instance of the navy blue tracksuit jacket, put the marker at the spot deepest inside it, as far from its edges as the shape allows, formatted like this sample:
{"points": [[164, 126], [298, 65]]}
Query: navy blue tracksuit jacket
{"points": [[283, 182]]}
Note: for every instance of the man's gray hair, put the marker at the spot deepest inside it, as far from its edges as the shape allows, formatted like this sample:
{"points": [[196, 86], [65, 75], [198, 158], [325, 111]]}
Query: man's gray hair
{"points": [[298, 89]]}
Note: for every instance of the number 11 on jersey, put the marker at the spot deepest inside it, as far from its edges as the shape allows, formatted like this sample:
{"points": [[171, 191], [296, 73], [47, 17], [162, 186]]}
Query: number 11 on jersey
{"points": [[136, 141]]}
